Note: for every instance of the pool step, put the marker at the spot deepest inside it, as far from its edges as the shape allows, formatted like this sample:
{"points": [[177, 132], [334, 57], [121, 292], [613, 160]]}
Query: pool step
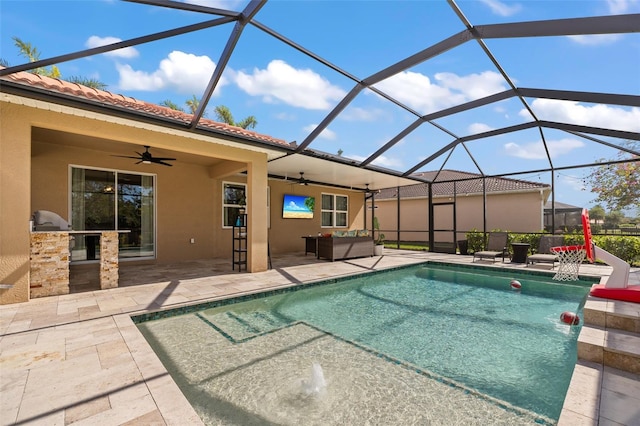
{"points": [[611, 334]]}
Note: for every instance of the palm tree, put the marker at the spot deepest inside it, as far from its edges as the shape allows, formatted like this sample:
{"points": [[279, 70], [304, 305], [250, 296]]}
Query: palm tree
{"points": [[89, 82], [193, 104], [224, 114], [172, 105], [33, 55]]}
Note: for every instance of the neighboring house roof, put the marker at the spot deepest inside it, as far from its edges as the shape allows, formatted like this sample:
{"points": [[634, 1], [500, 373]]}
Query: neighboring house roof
{"points": [[562, 207], [466, 183], [105, 98]]}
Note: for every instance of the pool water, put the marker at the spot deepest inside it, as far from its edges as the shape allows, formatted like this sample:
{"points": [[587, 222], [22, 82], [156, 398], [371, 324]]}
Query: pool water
{"points": [[410, 330]]}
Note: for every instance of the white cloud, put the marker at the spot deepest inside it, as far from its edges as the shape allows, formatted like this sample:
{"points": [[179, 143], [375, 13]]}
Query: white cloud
{"points": [[596, 39], [473, 86], [388, 162], [361, 114], [535, 150], [381, 161], [617, 7], [297, 87], [479, 128], [183, 72], [419, 92], [127, 52], [595, 116], [502, 9], [575, 183], [294, 206], [325, 134], [285, 116]]}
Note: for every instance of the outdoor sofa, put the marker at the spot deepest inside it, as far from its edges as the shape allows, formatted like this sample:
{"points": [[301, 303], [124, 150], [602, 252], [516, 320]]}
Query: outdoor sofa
{"points": [[345, 245]]}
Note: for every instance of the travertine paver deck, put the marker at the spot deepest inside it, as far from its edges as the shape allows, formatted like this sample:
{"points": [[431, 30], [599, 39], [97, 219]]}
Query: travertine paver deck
{"points": [[78, 358]]}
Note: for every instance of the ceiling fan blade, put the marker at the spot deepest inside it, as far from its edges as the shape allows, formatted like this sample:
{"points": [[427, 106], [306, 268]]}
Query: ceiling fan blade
{"points": [[125, 156], [146, 157]]}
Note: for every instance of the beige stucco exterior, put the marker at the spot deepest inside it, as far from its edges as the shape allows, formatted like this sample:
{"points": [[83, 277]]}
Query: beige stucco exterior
{"points": [[509, 211], [40, 141], [285, 235]]}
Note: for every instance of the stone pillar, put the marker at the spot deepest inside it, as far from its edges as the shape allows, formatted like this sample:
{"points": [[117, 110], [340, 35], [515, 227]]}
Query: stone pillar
{"points": [[109, 260], [49, 264]]}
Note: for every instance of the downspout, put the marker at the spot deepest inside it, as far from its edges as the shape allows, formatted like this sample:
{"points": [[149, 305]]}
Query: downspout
{"points": [[398, 217], [431, 221], [455, 217], [364, 196], [553, 202], [373, 213], [484, 206]]}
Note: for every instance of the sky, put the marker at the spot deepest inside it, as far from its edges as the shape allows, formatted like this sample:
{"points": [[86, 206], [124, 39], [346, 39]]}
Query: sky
{"points": [[290, 93]]}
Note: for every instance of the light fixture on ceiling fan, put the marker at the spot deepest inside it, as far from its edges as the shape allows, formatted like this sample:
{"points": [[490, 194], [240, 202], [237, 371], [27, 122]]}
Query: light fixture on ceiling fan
{"points": [[302, 180]]}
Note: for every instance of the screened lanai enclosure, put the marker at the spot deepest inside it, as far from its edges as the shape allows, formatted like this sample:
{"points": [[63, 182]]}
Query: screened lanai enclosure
{"points": [[448, 100]]}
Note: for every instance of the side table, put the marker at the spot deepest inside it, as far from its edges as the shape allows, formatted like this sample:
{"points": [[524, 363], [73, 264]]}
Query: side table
{"points": [[310, 244], [520, 251]]}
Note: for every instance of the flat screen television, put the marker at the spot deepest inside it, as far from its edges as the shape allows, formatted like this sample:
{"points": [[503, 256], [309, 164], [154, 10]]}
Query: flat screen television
{"points": [[298, 206]]}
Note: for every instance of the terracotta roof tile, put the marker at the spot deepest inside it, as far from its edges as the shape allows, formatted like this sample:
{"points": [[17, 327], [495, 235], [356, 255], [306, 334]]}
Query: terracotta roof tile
{"points": [[466, 183], [105, 97]]}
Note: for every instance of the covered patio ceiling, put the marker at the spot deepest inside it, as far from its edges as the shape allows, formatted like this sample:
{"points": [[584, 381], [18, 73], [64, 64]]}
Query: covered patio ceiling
{"points": [[440, 139]]}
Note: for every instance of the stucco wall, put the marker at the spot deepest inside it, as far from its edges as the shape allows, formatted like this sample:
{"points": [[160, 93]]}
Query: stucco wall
{"points": [[184, 196], [15, 183], [516, 212], [285, 235], [35, 175], [188, 202]]}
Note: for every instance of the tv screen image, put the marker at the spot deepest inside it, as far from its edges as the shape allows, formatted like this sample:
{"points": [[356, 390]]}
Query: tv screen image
{"points": [[297, 207]]}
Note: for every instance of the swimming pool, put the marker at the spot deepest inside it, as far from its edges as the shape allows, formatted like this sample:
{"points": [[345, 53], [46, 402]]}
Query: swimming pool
{"points": [[418, 344]]}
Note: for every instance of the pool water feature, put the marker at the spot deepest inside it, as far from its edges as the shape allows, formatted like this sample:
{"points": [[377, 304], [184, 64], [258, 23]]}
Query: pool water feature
{"points": [[426, 344]]}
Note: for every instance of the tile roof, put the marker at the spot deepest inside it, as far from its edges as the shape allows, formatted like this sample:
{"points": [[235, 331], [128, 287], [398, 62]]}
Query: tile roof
{"points": [[103, 97], [466, 183], [561, 207]]}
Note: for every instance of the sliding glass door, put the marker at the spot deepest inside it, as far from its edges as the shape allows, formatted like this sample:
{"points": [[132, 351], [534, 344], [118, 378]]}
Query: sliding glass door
{"points": [[113, 200]]}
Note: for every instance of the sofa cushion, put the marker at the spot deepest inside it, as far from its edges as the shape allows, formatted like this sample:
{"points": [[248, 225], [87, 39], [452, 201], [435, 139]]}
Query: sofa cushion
{"points": [[363, 233]]}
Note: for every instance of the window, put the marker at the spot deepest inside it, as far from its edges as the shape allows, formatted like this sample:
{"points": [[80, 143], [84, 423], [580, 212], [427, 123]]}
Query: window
{"points": [[112, 200], [334, 210], [234, 198]]}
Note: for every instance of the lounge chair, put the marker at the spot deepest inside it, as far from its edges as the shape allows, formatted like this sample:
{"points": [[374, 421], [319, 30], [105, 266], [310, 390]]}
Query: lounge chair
{"points": [[496, 246], [544, 250]]}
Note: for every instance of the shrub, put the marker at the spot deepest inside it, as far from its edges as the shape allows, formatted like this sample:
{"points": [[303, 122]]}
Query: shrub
{"points": [[626, 248], [575, 238], [475, 241]]}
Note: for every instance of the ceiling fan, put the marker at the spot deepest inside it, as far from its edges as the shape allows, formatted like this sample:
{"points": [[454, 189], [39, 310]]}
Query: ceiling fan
{"points": [[146, 158], [302, 180]]}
